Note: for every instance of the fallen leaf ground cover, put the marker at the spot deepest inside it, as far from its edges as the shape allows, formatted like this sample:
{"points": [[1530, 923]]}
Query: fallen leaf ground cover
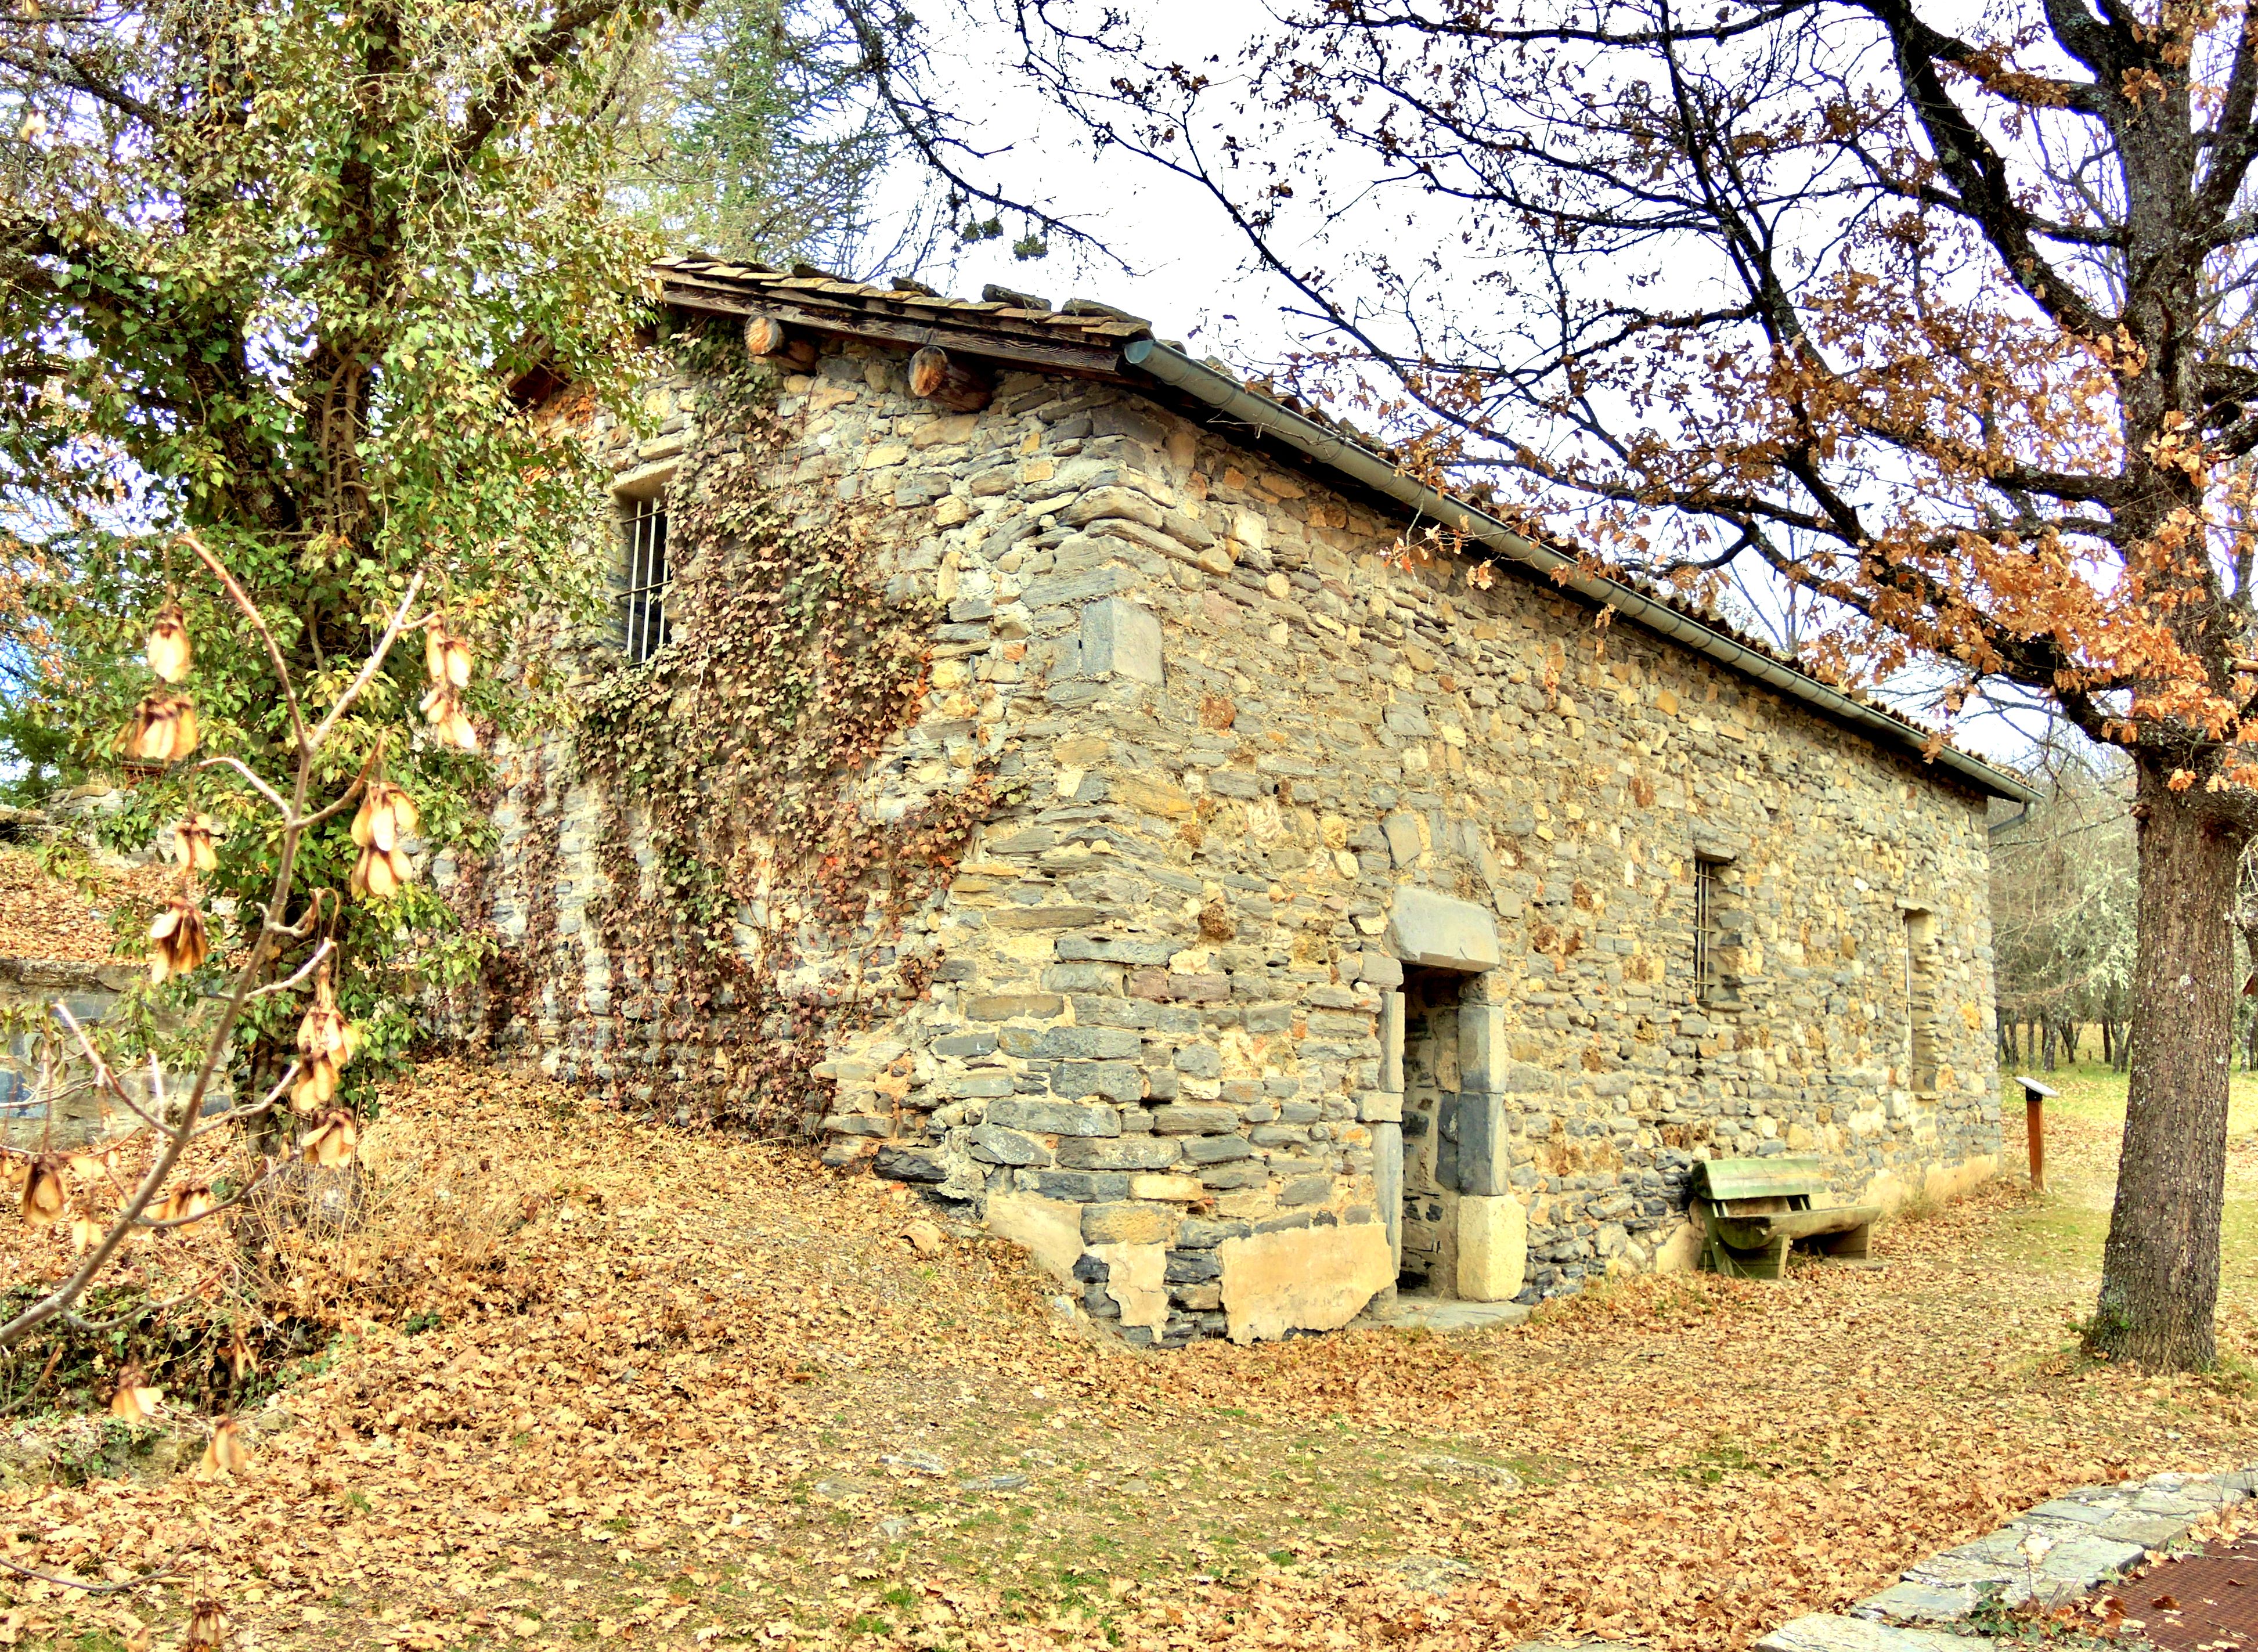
{"points": [[68, 921], [598, 1382]]}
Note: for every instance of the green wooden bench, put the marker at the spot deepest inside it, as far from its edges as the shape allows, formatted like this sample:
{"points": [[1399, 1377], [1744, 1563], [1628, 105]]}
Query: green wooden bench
{"points": [[1754, 1209]]}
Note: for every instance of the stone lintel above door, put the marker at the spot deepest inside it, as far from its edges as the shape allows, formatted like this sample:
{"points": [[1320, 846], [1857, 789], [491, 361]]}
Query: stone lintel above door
{"points": [[1441, 933]]}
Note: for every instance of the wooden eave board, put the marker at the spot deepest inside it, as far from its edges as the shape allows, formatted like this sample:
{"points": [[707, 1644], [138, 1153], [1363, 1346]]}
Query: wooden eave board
{"points": [[1759, 1178], [1031, 348]]}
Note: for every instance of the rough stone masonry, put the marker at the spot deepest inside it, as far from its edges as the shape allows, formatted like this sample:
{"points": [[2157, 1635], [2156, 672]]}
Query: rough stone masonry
{"points": [[1357, 922]]}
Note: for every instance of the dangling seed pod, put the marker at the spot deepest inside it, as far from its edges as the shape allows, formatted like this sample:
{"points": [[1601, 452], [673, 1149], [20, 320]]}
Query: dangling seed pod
{"points": [[226, 1454], [208, 1628], [177, 940], [135, 1400], [196, 842], [387, 818], [442, 709], [324, 1027], [325, 1043], [315, 1087], [332, 1140], [317, 1084], [321, 1034], [446, 656], [162, 729], [169, 651], [44, 1194], [379, 874]]}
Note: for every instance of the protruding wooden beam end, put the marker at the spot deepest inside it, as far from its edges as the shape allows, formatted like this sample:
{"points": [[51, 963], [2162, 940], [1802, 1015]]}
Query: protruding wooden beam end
{"points": [[960, 386], [769, 339]]}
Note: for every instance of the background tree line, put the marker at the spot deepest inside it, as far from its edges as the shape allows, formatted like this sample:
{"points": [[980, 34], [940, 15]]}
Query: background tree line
{"points": [[2064, 888]]}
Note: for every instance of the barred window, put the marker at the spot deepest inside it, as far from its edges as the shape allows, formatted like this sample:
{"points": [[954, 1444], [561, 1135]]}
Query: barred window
{"points": [[1708, 982], [642, 600]]}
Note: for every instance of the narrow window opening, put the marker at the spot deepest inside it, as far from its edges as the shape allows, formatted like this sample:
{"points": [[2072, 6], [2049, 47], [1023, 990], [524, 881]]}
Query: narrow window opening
{"points": [[1708, 978], [642, 600], [1921, 1001]]}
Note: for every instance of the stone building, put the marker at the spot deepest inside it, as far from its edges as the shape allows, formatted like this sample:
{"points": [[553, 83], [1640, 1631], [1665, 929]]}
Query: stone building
{"points": [[1340, 919]]}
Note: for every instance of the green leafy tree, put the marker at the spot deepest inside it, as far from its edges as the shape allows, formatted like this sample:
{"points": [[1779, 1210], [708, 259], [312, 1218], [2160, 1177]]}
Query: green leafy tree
{"points": [[756, 135], [268, 269]]}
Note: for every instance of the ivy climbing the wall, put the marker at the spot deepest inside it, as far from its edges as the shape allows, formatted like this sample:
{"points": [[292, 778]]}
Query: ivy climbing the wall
{"points": [[738, 767]]}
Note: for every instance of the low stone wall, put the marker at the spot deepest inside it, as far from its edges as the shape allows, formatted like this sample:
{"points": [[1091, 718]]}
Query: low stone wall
{"points": [[33, 1116]]}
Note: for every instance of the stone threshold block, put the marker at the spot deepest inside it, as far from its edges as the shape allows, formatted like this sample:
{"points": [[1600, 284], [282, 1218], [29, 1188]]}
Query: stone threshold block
{"points": [[1443, 1313]]}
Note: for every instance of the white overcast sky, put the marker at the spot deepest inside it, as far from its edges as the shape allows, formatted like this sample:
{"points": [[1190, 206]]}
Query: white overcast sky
{"points": [[1188, 273]]}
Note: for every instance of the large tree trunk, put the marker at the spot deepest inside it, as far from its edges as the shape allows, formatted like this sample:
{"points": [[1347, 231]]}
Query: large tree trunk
{"points": [[2160, 1267]]}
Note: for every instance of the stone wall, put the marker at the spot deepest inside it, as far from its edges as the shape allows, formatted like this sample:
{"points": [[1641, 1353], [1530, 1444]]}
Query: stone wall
{"points": [[1164, 1046]]}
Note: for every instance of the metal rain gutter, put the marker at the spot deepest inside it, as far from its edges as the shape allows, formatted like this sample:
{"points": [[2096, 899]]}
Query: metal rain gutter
{"points": [[1305, 435]]}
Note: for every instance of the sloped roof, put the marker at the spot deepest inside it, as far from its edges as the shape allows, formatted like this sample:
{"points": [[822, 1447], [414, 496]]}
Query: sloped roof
{"points": [[1092, 340]]}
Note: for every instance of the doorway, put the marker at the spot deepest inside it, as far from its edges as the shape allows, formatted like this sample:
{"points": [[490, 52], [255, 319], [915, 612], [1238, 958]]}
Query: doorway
{"points": [[1431, 1085]]}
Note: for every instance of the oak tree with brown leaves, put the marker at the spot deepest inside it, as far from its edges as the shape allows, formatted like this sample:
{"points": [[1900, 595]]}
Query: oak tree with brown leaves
{"points": [[1942, 318]]}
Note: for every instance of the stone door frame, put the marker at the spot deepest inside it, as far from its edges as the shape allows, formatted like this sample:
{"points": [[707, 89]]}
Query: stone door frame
{"points": [[1438, 932]]}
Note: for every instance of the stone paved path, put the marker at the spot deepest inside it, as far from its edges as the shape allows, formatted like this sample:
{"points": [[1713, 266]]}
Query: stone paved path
{"points": [[2054, 1553]]}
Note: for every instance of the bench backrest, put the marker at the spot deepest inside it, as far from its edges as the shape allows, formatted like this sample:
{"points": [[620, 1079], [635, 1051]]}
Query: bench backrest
{"points": [[1724, 1180]]}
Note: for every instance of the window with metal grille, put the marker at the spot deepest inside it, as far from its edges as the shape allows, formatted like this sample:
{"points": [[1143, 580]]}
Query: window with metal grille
{"points": [[642, 600], [1708, 982]]}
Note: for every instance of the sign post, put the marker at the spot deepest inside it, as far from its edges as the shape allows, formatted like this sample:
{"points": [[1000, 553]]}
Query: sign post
{"points": [[2035, 1098]]}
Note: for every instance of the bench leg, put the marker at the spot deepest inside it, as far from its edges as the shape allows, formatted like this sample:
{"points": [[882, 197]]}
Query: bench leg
{"points": [[1853, 1244], [1766, 1263]]}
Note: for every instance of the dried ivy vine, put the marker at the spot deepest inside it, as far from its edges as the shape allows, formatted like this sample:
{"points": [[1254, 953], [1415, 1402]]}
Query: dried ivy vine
{"points": [[736, 839], [509, 999]]}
